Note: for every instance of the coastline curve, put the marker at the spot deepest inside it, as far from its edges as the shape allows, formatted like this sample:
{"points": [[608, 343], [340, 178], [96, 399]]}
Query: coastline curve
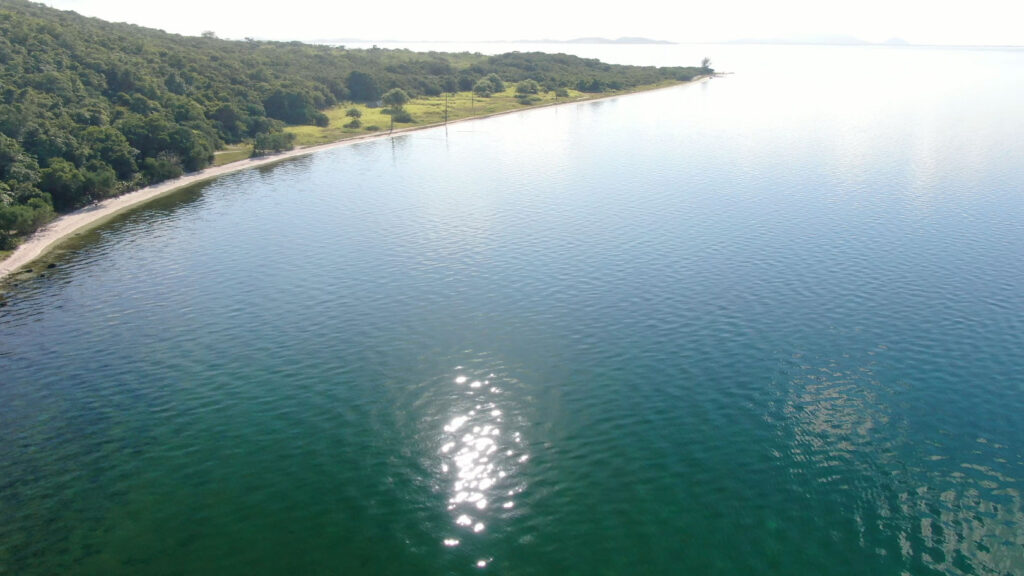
{"points": [[67, 225]]}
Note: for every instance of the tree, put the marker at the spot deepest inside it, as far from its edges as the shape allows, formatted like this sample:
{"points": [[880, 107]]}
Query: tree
{"points": [[395, 99], [64, 183], [164, 167], [193, 149], [111, 147], [496, 82], [98, 180], [292, 106], [229, 122], [22, 219], [705, 65], [592, 85], [362, 87], [11, 218], [482, 88], [490, 84], [80, 98], [527, 87], [16, 167], [465, 82], [273, 142]]}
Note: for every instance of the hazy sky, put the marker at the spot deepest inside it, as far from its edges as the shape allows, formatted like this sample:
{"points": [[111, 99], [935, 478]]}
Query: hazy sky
{"points": [[993, 22]]}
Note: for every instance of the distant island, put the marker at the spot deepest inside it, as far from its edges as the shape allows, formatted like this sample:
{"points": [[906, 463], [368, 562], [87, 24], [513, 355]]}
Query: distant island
{"points": [[586, 40], [822, 39], [594, 40], [90, 110]]}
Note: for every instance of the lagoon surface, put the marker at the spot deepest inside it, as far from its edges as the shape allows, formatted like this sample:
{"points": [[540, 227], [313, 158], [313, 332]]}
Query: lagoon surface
{"points": [[768, 324]]}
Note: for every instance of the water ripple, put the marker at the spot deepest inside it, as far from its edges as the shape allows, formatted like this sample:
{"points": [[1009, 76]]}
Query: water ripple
{"points": [[746, 334]]}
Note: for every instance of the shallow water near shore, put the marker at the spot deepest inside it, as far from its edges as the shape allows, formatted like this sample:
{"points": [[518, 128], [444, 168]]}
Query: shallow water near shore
{"points": [[769, 324]]}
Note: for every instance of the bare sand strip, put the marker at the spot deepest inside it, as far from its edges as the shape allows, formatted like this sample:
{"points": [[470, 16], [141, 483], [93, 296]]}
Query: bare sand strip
{"points": [[53, 233], [82, 219]]}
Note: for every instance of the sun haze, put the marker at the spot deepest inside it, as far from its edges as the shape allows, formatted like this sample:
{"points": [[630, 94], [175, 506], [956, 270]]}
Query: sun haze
{"points": [[985, 22]]}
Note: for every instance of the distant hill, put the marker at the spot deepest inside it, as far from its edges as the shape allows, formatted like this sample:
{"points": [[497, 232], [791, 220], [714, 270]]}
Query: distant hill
{"points": [[821, 39], [623, 40], [586, 40], [834, 39]]}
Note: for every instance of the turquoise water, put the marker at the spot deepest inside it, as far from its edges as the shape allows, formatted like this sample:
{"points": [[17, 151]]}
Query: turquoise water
{"points": [[770, 324]]}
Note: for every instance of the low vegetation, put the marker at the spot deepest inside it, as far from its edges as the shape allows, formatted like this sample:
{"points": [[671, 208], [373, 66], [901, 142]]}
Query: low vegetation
{"points": [[429, 110]]}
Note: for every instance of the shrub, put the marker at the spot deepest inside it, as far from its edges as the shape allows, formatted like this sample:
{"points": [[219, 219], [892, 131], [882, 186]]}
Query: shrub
{"points": [[465, 83], [495, 80], [355, 123], [527, 87], [401, 116], [273, 142], [593, 85], [163, 167], [482, 88], [354, 113], [490, 84]]}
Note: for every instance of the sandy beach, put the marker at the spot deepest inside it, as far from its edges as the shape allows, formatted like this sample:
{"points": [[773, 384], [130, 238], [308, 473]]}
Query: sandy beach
{"points": [[84, 218]]}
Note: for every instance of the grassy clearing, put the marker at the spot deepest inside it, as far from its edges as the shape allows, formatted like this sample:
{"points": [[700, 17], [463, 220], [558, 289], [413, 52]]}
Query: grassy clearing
{"points": [[430, 110], [232, 153]]}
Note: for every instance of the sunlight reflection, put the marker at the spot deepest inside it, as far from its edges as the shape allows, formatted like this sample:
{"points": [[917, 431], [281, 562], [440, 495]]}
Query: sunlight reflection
{"points": [[479, 456], [953, 516]]}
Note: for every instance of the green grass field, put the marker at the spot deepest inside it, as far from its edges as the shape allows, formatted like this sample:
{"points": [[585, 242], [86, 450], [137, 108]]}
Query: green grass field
{"points": [[232, 153], [430, 110]]}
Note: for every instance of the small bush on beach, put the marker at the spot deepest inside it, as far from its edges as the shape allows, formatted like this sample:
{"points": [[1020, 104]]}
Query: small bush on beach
{"points": [[401, 116], [273, 142]]}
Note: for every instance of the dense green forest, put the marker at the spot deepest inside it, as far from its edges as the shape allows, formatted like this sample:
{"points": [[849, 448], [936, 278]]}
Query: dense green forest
{"points": [[91, 109]]}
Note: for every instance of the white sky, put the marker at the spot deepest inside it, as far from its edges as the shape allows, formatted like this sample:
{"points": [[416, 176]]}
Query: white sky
{"points": [[978, 22]]}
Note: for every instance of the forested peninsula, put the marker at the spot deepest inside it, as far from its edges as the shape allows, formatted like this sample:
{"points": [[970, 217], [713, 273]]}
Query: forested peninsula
{"points": [[91, 109]]}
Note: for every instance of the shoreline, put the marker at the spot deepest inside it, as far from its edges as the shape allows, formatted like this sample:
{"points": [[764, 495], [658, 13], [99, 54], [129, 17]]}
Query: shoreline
{"points": [[67, 225]]}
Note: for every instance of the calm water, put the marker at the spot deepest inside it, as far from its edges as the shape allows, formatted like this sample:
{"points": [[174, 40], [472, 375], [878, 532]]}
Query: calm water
{"points": [[770, 324]]}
